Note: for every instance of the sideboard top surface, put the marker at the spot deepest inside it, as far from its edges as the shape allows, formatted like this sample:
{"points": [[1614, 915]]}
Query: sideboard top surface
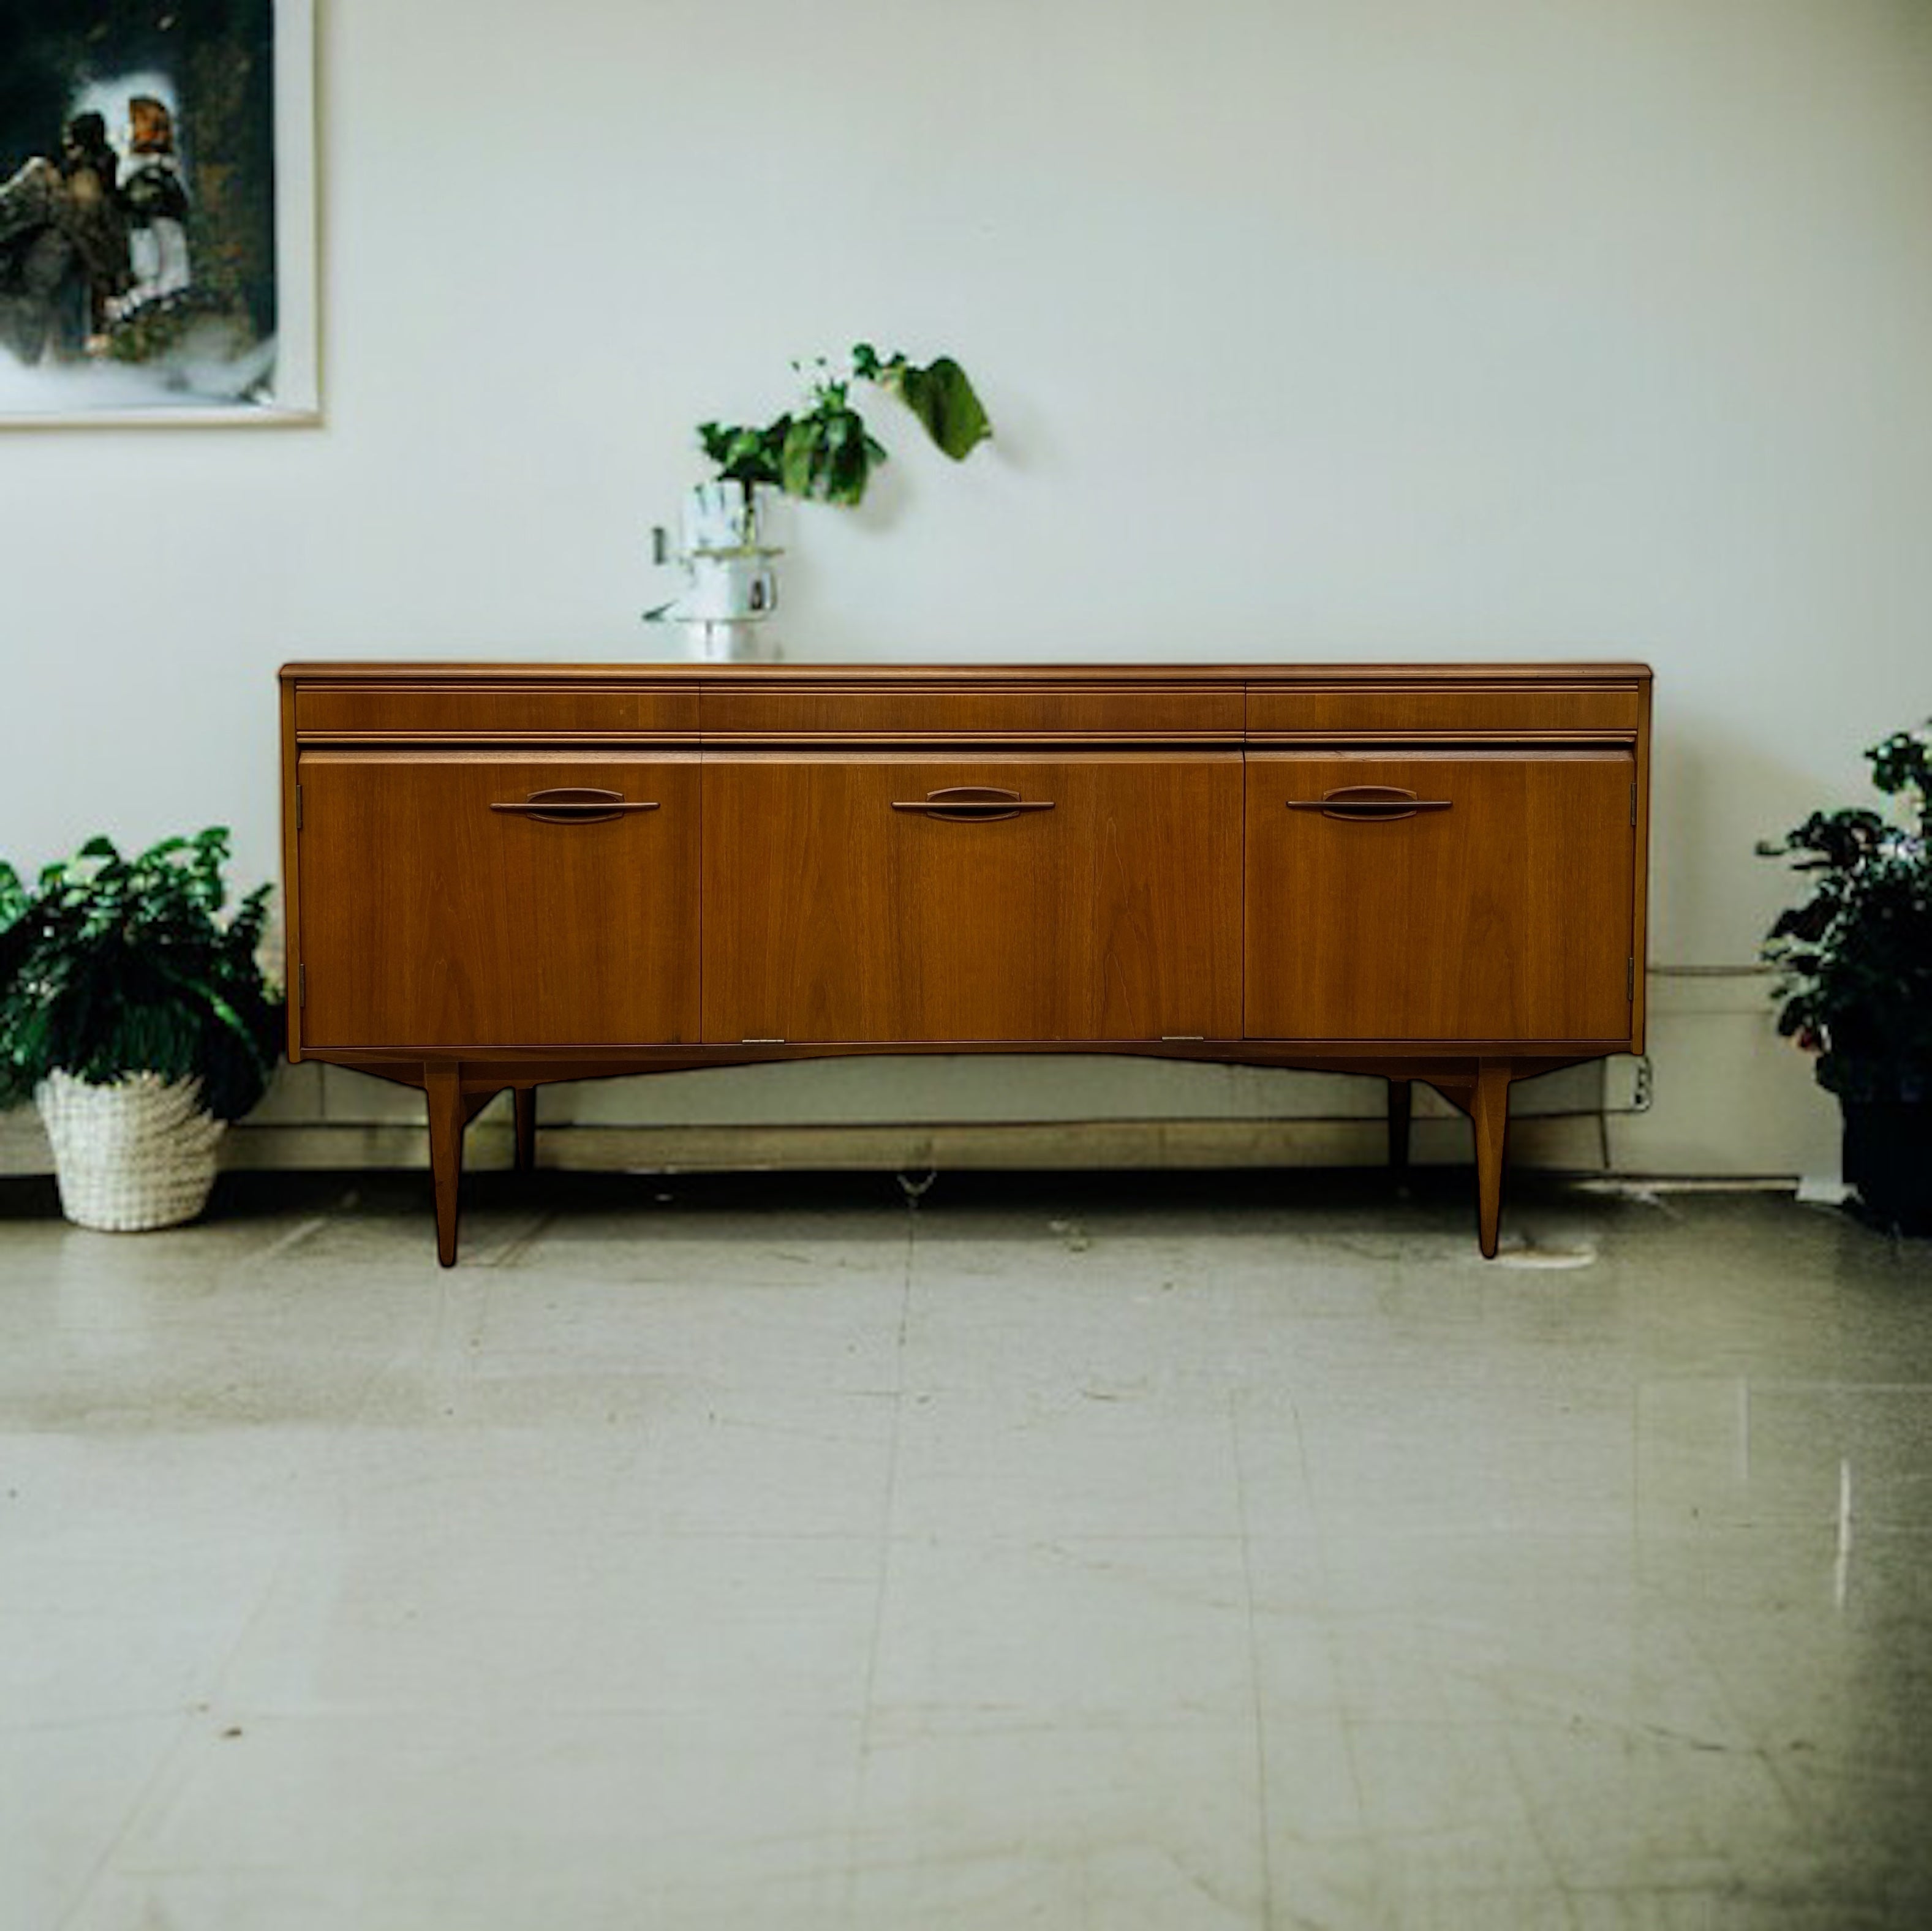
{"points": [[681, 672]]}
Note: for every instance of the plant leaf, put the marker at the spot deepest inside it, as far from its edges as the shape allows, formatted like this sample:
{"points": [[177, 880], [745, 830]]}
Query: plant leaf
{"points": [[944, 400]]}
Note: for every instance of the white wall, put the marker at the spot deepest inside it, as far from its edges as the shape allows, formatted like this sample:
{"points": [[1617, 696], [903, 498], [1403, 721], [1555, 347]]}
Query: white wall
{"points": [[1498, 328]]}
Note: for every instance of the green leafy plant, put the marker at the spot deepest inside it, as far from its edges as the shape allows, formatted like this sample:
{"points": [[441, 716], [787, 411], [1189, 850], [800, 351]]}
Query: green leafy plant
{"points": [[111, 966], [1854, 960], [824, 449]]}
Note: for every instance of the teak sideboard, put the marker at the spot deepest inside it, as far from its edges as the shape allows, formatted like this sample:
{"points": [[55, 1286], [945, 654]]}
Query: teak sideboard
{"points": [[501, 875]]}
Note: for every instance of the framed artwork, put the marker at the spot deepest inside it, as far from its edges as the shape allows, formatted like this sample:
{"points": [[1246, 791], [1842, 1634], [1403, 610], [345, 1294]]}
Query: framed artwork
{"points": [[157, 228]]}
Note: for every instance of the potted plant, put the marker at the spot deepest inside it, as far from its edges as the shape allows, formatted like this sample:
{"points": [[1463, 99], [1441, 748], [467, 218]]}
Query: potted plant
{"points": [[822, 452], [138, 1019], [1855, 977]]}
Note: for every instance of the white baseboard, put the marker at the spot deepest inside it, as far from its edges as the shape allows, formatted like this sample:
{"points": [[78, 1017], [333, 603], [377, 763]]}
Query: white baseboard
{"points": [[1567, 1144], [1729, 1098]]}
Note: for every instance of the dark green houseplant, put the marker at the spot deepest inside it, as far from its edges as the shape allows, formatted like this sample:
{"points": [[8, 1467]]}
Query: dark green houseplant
{"points": [[1854, 975], [824, 449], [138, 1017]]}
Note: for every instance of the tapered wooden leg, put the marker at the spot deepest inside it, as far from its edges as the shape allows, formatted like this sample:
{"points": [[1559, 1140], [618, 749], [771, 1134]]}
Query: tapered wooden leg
{"points": [[1401, 1095], [526, 1098], [1489, 1113], [442, 1086]]}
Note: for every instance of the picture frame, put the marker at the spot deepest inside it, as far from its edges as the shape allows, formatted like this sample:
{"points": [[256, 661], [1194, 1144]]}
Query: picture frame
{"points": [[158, 225]]}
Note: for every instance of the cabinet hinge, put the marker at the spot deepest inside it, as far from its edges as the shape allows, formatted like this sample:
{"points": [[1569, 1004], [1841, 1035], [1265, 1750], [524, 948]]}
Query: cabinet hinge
{"points": [[1630, 981], [301, 985], [299, 807], [1633, 803]]}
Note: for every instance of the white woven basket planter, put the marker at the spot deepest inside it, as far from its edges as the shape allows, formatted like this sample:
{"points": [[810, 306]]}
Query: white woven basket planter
{"points": [[139, 1154]]}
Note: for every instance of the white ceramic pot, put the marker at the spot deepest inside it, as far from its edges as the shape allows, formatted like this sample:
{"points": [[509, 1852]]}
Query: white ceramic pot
{"points": [[731, 643], [728, 589], [721, 518], [138, 1154]]}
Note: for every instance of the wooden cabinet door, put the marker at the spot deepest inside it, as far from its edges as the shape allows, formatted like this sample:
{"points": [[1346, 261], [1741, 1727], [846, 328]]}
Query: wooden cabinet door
{"points": [[431, 918], [1105, 906], [1501, 910]]}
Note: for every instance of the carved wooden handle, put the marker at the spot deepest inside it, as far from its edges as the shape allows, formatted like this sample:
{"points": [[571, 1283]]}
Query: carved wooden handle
{"points": [[575, 805], [972, 804], [1366, 803]]}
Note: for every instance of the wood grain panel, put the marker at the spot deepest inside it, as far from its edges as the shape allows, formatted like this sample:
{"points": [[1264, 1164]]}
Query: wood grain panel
{"points": [[1289, 709], [1506, 916], [1640, 896], [448, 710], [430, 920], [982, 708], [829, 916], [291, 878]]}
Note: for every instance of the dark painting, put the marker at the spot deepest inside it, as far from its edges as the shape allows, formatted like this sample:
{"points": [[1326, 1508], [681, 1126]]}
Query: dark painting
{"points": [[138, 200]]}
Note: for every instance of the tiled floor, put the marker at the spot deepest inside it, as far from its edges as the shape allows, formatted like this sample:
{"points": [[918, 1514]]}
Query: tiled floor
{"points": [[1073, 1552]]}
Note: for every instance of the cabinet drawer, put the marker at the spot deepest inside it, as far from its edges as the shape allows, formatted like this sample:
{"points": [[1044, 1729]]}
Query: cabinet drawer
{"points": [[875, 899], [429, 711], [929, 712], [1441, 895], [429, 916], [1293, 710]]}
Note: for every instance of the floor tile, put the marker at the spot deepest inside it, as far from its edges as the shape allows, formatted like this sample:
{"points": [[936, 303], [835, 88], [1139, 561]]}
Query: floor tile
{"points": [[653, 1800], [1157, 1627], [67, 1786], [1005, 1821], [443, 1619], [1094, 1458]]}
